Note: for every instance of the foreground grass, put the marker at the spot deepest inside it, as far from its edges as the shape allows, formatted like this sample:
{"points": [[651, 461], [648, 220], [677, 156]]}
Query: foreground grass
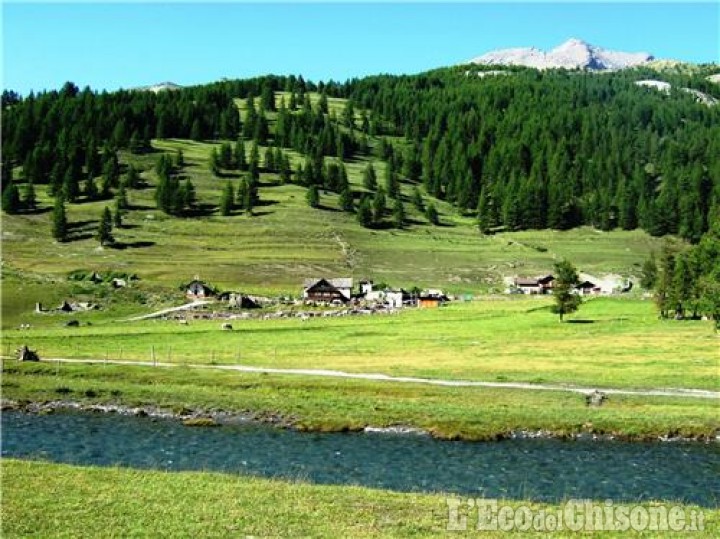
{"points": [[620, 343], [53, 500], [335, 405]]}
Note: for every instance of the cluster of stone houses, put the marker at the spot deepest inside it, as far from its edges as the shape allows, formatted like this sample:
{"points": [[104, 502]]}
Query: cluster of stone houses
{"points": [[587, 287], [340, 291], [329, 292]]}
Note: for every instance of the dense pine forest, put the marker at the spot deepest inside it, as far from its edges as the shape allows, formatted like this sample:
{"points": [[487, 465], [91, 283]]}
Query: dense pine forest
{"points": [[521, 150]]}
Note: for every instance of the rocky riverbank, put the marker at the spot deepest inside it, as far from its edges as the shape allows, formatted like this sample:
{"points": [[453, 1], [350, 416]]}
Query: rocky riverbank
{"points": [[209, 418]]}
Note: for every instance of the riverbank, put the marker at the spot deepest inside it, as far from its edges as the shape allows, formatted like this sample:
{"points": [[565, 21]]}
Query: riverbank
{"points": [[41, 498], [336, 405], [211, 418]]}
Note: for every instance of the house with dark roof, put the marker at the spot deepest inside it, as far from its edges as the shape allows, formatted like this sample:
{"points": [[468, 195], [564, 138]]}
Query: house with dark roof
{"points": [[321, 290], [536, 285], [197, 289], [587, 288]]}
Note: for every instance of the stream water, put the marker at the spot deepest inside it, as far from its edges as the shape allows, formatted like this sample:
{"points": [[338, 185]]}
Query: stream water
{"points": [[537, 469]]}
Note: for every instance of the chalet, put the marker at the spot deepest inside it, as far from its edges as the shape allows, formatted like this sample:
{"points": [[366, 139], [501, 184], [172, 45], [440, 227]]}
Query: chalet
{"points": [[587, 288], [539, 285], [328, 290], [198, 290]]}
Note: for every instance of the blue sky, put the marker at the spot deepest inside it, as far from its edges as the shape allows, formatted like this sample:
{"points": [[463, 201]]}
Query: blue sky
{"points": [[108, 46]]}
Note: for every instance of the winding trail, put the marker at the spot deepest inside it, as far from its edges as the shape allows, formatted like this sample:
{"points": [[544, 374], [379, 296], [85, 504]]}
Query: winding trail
{"points": [[654, 392]]}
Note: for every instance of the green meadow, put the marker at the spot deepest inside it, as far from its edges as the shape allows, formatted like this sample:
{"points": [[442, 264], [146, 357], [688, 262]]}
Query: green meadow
{"points": [[53, 500], [610, 342]]}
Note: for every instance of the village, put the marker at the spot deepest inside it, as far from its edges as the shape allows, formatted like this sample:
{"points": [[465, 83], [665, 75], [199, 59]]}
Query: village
{"points": [[322, 297]]}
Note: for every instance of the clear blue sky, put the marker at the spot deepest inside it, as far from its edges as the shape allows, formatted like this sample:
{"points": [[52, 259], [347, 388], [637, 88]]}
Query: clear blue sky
{"points": [[124, 45]]}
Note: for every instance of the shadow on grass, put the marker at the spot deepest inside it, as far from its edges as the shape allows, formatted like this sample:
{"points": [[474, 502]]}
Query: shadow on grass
{"points": [[37, 211], [580, 321], [201, 210], [131, 245], [265, 202], [80, 225]]}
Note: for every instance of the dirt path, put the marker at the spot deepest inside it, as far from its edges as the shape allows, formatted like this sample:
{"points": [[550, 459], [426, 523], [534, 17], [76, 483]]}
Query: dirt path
{"points": [[655, 392], [163, 312]]}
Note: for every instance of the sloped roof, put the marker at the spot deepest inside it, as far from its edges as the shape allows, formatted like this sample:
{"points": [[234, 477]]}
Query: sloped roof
{"points": [[526, 281], [342, 282]]}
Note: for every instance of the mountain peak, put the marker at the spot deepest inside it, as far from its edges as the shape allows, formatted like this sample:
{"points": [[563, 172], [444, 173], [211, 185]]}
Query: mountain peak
{"points": [[572, 54], [160, 87]]}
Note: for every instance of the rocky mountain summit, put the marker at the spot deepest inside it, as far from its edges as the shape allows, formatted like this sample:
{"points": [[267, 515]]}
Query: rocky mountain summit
{"points": [[573, 54]]}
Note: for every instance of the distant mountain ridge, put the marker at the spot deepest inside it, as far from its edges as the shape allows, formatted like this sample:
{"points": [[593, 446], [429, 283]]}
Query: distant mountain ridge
{"points": [[573, 54], [160, 87]]}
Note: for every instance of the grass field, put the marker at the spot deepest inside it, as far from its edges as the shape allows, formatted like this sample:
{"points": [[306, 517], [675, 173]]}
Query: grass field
{"points": [[52, 500], [325, 404], [613, 343]]}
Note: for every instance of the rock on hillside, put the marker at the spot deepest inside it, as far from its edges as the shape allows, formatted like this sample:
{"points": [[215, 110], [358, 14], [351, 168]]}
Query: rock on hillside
{"points": [[663, 86], [573, 54]]}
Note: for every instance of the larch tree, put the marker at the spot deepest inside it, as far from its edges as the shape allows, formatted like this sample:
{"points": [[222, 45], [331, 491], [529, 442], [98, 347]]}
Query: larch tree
{"points": [[104, 231], [566, 299], [59, 220]]}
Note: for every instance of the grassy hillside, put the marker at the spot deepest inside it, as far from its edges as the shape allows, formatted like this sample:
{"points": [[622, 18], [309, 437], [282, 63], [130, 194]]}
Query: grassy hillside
{"points": [[286, 241]]}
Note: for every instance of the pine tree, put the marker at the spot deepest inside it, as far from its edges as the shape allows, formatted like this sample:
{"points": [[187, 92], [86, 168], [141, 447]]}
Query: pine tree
{"points": [[121, 200], [323, 103], [91, 190], [239, 155], [30, 201], [432, 215], [346, 200], [117, 215], [254, 164], [417, 200], [392, 185], [313, 196], [369, 178], [566, 279], [214, 162], [70, 188], [11, 199], [189, 196], [378, 205], [240, 194], [104, 232], [649, 273], [228, 197], [365, 212], [225, 159], [132, 179], [59, 220], [398, 213], [248, 199], [179, 159]]}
